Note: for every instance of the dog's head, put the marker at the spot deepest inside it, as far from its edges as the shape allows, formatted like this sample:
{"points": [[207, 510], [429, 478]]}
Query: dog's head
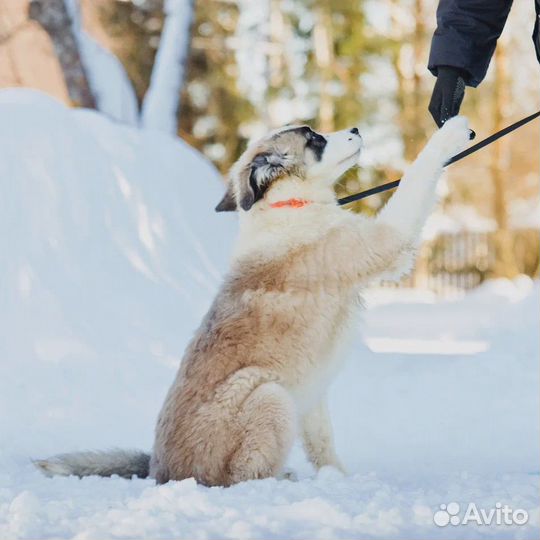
{"points": [[292, 152]]}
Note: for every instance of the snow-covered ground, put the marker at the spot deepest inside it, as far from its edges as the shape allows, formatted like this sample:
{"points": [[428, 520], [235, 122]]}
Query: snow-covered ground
{"points": [[109, 255]]}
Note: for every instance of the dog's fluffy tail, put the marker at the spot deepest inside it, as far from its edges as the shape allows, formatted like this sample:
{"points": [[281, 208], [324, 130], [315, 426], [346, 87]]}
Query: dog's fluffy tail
{"points": [[124, 463]]}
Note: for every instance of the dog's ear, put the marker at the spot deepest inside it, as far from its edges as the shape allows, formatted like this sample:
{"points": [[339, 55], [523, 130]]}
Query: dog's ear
{"points": [[256, 178], [228, 203], [253, 180]]}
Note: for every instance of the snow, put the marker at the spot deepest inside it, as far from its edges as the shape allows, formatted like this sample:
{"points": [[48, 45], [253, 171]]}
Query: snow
{"points": [[110, 255], [160, 105], [110, 235], [108, 79], [112, 88]]}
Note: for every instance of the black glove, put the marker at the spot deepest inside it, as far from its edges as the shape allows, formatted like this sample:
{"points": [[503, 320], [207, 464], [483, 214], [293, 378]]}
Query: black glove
{"points": [[447, 94]]}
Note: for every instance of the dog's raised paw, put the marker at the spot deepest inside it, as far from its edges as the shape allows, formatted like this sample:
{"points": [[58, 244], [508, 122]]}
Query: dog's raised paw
{"points": [[452, 138]]}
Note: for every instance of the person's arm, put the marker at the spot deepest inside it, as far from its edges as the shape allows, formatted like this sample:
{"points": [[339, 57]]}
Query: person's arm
{"points": [[466, 35], [461, 49]]}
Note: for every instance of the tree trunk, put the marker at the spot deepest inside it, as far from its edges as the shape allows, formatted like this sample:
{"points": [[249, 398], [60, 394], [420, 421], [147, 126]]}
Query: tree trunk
{"points": [[410, 98], [505, 264], [419, 110], [323, 45], [277, 38], [53, 16]]}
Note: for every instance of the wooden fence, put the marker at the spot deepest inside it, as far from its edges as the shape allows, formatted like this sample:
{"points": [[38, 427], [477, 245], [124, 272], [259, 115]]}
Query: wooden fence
{"points": [[453, 263]]}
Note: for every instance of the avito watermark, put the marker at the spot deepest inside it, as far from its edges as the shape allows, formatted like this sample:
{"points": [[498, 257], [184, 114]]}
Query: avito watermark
{"points": [[452, 514]]}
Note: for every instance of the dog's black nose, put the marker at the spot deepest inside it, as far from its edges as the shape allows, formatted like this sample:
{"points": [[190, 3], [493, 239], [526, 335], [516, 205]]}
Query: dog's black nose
{"points": [[355, 131]]}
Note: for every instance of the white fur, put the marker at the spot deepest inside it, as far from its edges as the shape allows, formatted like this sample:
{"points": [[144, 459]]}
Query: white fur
{"points": [[341, 153]]}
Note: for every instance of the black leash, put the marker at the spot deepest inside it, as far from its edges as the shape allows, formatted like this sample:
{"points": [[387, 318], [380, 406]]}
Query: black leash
{"points": [[474, 148]]}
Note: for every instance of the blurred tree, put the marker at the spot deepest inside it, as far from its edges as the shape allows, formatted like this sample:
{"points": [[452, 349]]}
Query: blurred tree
{"points": [[53, 16], [135, 27], [336, 44], [336, 47], [409, 56], [213, 108], [505, 263], [324, 58]]}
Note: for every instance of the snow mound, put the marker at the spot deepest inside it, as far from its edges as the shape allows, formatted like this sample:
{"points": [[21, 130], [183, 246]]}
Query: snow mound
{"points": [[110, 254], [109, 257]]}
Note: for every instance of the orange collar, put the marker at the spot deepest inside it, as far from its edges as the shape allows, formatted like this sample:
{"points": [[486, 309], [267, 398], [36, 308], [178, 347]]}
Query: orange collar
{"points": [[291, 203]]}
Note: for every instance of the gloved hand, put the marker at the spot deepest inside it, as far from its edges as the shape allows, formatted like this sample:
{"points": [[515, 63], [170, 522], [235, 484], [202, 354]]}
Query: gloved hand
{"points": [[447, 95]]}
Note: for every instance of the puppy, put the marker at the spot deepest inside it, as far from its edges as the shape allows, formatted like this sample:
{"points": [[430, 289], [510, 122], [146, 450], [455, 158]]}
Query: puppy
{"points": [[256, 372]]}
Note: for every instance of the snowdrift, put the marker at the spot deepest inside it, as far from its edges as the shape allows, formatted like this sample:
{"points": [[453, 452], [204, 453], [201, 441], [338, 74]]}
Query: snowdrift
{"points": [[110, 253], [109, 256]]}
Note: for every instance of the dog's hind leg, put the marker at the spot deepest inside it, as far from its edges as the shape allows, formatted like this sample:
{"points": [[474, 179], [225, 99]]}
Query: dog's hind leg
{"points": [[267, 427], [318, 438]]}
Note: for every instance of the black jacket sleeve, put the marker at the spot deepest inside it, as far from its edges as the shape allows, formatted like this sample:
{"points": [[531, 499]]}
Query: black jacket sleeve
{"points": [[466, 35]]}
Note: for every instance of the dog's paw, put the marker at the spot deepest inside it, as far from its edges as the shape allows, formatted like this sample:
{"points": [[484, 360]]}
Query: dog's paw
{"points": [[340, 467], [452, 138], [288, 474], [332, 472]]}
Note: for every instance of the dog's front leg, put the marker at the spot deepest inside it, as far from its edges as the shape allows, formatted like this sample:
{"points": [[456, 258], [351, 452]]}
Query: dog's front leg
{"points": [[318, 438], [385, 247], [409, 207]]}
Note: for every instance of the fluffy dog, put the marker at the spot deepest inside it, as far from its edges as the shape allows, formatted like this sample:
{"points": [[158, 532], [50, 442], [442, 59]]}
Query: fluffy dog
{"points": [[256, 372]]}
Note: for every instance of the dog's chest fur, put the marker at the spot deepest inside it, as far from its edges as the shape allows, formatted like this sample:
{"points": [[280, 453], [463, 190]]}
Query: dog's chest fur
{"points": [[286, 302], [286, 317], [310, 378]]}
